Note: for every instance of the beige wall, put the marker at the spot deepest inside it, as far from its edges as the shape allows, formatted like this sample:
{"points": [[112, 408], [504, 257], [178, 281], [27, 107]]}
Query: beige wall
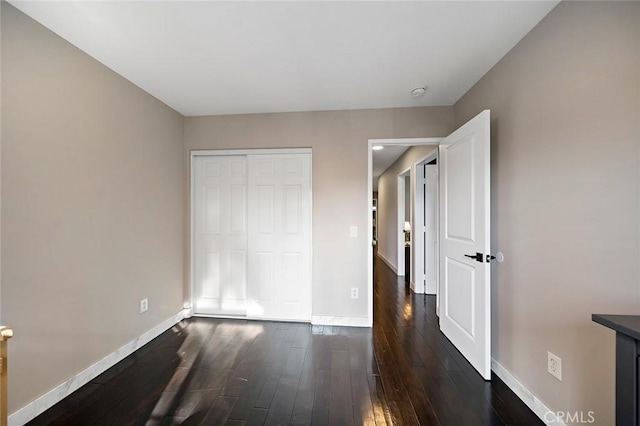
{"points": [[388, 201], [565, 105], [91, 208], [94, 181], [339, 143]]}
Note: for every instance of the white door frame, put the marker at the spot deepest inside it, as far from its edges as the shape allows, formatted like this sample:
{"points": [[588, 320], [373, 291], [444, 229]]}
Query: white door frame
{"points": [[370, 144], [417, 238], [218, 152], [401, 213]]}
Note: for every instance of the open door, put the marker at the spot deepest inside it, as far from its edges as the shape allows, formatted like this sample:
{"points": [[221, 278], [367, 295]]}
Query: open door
{"points": [[465, 271]]}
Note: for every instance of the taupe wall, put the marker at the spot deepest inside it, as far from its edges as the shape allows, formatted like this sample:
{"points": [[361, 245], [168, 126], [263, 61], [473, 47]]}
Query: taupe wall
{"points": [[565, 105], [388, 200], [91, 208], [339, 143], [407, 199], [95, 186]]}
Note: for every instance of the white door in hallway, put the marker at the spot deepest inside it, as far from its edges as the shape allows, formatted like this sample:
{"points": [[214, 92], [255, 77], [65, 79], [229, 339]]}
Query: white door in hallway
{"points": [[220, 235], [430, 227], [280, 237], [465, 270]]}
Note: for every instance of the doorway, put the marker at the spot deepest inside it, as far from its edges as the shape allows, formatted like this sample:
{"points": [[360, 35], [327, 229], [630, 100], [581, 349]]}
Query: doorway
{"points": [[404, 220], [425, 239], [464, 237], [398, 233]]}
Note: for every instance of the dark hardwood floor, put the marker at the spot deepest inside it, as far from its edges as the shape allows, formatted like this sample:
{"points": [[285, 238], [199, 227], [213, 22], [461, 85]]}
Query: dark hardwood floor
{"points": [[236, 372]]}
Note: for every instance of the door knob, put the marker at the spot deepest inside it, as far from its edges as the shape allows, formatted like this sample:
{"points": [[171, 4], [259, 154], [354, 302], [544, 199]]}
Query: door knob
{"points": [[478, 256]]}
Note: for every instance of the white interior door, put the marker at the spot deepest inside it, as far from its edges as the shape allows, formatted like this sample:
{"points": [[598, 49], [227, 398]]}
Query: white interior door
{"points": [[220, 235], [404, 183], [430, 227], [280, 237], [465, 273]]}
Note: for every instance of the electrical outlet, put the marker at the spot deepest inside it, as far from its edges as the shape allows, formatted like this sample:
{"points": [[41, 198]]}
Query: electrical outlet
{"points": [[144, 305], [554, 365], [354, 293]]}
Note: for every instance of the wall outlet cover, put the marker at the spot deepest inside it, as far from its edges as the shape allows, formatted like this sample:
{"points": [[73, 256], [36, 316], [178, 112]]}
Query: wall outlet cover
{"points": [[144, 305], [554, 365]]}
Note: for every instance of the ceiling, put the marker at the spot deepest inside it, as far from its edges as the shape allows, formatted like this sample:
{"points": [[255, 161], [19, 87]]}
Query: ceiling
{"points": [[206, 57], [384, 158]]}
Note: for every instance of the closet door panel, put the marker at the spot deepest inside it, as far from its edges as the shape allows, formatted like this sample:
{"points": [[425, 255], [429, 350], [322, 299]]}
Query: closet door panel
{"points": [[280, 236], [220, 235]]}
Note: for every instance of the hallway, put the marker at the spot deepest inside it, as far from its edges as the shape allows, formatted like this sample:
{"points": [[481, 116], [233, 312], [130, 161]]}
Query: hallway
{"points": [[237, 372]]}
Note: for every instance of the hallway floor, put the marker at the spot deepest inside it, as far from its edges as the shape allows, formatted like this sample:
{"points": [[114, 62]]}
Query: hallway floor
{"points": [[237, 372]]}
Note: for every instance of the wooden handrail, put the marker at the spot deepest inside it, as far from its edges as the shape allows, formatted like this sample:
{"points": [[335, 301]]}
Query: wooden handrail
{"points": [[6, 333]]}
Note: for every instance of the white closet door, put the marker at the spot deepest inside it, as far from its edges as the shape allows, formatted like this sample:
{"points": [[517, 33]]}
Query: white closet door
{"points": [[220, 235], [280, 237]]}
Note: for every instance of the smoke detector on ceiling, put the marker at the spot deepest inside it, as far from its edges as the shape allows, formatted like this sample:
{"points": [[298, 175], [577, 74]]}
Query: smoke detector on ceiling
{"points": [[418, 91]]}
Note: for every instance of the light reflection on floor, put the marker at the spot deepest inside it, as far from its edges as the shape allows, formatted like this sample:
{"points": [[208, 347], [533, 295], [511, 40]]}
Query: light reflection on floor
{"points": [[408, 311], [180, 379]]}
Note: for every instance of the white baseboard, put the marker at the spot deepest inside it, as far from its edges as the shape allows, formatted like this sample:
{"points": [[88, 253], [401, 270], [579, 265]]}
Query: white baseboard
{"points": [[540, 410], [340, 321], [57, 394], [388, 262], [418, 289]]}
